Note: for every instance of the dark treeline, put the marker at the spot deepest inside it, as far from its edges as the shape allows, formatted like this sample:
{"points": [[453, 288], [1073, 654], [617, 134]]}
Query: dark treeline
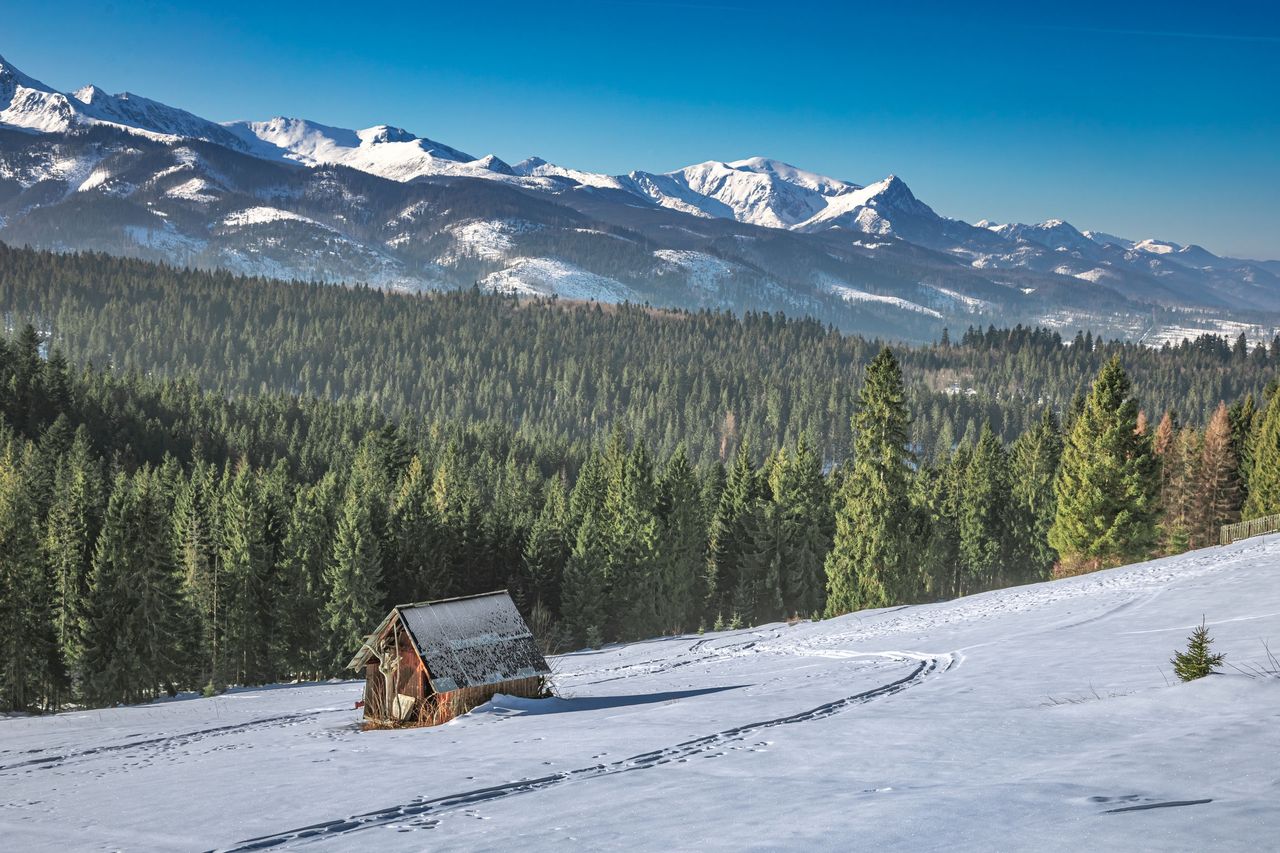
{"points": [[156, 536], [568, 372]]}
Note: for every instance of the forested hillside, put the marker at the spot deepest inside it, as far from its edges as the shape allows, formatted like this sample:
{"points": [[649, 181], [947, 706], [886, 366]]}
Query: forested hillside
{"points": [[254, 471], [569, 370]]}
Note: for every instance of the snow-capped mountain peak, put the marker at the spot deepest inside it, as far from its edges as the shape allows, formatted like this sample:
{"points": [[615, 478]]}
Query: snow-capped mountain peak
{"points": [[1157, 247], [493, 163], [536, 167], [1056, 234], [390, 152], [529, 165], [792, 175], [757, 190], [203, 207], [1105, 239], [11, 77], [28, 104], [89, 94], [384, 133], [879, 209]]}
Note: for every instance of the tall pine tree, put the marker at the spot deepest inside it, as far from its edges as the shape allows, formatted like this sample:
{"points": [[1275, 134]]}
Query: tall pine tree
{"points": [[1108, 483], [1034, 464], [1264, 463], [870, 564]]}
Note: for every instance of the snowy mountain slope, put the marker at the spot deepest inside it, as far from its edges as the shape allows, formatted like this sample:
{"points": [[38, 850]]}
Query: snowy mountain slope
{"points": [[1042, 717], [31, 105], [758, 191], [389, 152], [551, 277], [125, 174]]}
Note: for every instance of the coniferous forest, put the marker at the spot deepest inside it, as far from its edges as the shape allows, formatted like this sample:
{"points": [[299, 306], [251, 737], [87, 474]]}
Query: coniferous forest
{"points": [[207, 480]]}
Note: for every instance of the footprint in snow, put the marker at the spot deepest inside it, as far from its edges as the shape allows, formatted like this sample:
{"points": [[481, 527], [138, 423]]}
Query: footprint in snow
{"points": [[1139, 803]]}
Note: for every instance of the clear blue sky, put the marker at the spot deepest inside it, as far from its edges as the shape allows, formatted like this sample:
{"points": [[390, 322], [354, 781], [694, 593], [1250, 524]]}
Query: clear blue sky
{"points": [[1142, 119]]}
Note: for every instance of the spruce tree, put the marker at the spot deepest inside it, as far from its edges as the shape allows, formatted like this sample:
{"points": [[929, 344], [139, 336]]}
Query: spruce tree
{"points": [[1033, 465], [759, 597], [1197, 661], [984, 522], [308, 542], [1243, 414], [26, 635], [733, 529], [936, 493], [799, 494], [107, 661], [1108, 483], [870, 564], [630, 527], [455, 507], [135, 613], [547, 549], [353, 578], [682, 546], [414, 570], [196, 539], [1264, 463], [160, 618], [583, 587], [69, 535], [245, 558]]}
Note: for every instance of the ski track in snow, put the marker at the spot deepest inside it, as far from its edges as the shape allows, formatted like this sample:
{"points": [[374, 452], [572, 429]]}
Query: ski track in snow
{"points": [[685, 658], [158, 745], [421, 813]]}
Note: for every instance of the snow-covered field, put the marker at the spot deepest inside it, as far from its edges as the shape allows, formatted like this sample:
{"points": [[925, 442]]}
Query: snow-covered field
{"points": [[1035, 718], [1230, 329]]}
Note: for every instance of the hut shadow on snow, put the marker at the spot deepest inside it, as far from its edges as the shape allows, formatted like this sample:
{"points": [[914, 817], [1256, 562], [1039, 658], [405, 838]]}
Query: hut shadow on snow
{"points": [[520, 706]]}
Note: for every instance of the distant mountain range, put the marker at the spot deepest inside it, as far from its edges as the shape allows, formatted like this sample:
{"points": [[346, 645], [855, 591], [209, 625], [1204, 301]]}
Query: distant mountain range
{"points": [[291, 198]]}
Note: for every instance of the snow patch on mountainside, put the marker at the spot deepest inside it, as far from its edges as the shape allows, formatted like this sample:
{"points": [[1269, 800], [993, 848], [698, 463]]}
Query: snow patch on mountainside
{"points": [[552, 277], [264, 215], [970, 303], [485, 238], [703, 271], [74, 171], [97, 178], [196, 189], [853, 294], [164, 239]]}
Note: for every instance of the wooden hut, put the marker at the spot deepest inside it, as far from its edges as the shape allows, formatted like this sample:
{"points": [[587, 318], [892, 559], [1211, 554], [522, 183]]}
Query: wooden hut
{"points": [[427, 663]]}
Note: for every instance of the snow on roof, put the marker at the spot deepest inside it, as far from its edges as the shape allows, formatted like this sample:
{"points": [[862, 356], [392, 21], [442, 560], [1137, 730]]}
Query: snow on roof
{"points": [[468, 642]]}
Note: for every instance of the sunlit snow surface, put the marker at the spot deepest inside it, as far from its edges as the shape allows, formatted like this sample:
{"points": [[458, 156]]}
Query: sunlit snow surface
{"points": [[1036, 718]]}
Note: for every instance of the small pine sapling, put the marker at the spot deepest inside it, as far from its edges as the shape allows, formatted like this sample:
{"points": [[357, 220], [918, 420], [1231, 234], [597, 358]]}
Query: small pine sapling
{"points": [[1197, 661]]}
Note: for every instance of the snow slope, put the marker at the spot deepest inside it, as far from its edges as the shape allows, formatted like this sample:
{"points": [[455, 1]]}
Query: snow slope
{"points": [[118, 155], [1035, 718], [389, 152]]}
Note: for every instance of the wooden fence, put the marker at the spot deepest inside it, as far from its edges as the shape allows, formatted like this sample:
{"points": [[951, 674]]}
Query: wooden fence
{"points": [[1252, 527]]}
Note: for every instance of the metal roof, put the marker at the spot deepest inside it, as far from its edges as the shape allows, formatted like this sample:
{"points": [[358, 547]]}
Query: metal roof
{"points": [[468, 642]]}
